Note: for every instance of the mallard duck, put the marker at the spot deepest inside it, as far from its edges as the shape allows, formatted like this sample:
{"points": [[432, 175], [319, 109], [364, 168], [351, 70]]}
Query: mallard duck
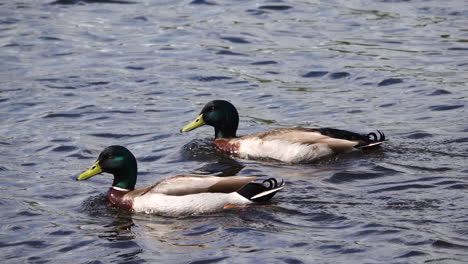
{"points": [[290, 145], [176, 195]]}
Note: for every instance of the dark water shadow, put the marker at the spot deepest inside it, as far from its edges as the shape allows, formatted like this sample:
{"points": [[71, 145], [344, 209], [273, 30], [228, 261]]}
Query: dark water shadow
{"points": [[216, 163], [112, 225]]}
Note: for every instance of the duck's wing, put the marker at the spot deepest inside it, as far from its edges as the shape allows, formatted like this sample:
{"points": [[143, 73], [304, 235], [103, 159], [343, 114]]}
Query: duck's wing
{"points": [[338, 140], [362, 141], [192, 184]]}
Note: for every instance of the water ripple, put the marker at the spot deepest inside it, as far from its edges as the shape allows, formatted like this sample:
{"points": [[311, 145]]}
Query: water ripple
{"points": [[64, 115], [390, 81], [444, 107], [403, 187], [112, 135], [315, 74], [275, 7], [343, 177]]}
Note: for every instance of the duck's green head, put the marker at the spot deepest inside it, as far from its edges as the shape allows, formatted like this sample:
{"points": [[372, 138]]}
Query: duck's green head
{"points": [[118, 161], [221, 115]]}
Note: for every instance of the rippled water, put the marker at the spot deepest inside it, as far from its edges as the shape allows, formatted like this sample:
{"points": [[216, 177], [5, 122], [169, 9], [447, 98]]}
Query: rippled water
{"points": [[76, 76]]}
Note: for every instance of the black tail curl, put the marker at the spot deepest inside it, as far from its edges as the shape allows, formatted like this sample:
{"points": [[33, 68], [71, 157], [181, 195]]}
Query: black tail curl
{"points": [[374, 138], [272, 183], [271, 186]]}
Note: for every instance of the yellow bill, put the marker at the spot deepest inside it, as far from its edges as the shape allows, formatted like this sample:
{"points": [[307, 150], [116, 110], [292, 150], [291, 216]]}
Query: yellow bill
{"points": [[94, 170], [198, 122]]}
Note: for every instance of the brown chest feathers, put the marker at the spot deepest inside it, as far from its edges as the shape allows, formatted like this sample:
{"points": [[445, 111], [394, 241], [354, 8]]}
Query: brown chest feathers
{"points": [[116, 198], [227, 146]]}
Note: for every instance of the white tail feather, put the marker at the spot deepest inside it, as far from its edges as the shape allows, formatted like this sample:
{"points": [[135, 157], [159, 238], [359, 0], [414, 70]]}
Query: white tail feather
{"points": [[372, 144], [267, 192]]}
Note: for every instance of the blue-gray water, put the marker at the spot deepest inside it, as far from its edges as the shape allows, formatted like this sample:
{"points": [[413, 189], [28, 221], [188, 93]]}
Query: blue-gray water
{"points": [[77, 76]]}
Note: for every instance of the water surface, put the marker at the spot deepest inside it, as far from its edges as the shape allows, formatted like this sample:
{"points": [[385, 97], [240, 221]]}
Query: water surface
{"points": [[77, 76]]}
